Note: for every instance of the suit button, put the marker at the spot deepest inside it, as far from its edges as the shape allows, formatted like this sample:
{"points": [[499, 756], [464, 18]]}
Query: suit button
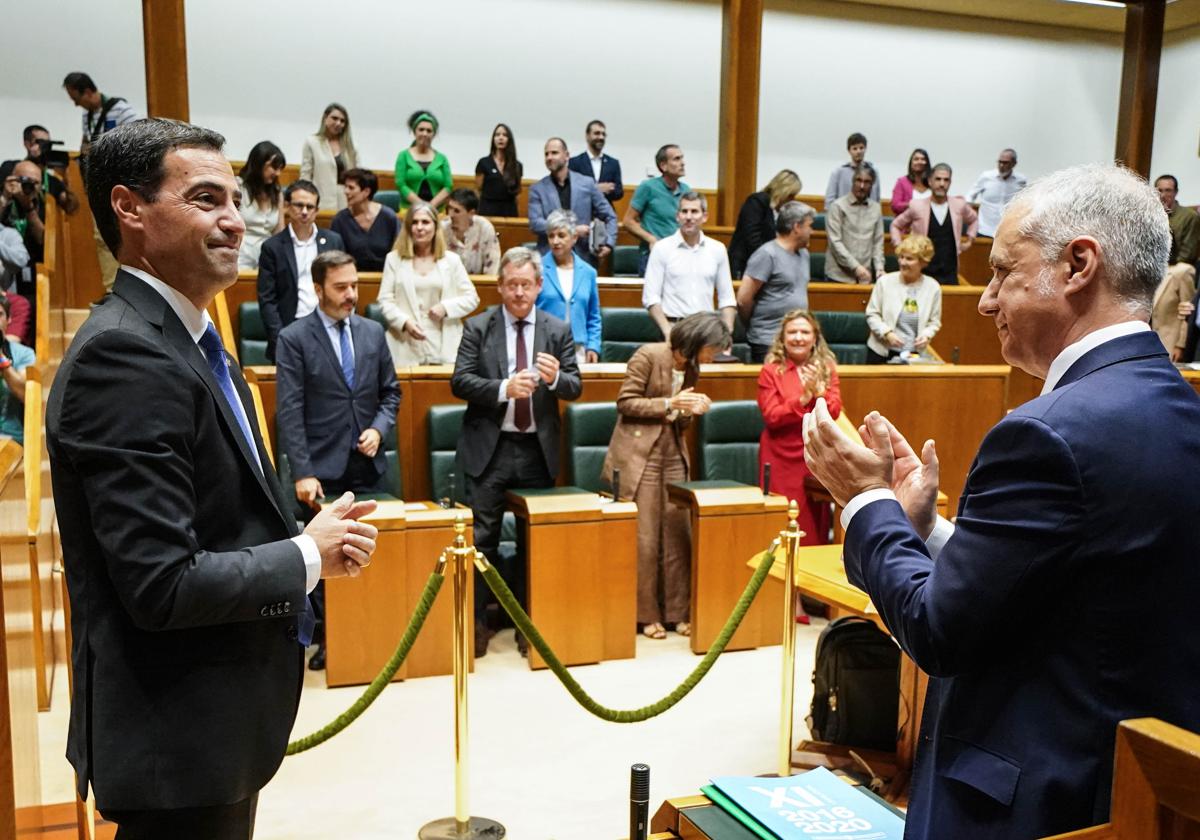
{"points": [[292, 633]]}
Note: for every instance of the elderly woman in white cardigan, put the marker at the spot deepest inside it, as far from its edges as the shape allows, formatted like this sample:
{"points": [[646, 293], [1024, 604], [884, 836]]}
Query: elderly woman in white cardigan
{"points": [[425, 294], [905, 310]]}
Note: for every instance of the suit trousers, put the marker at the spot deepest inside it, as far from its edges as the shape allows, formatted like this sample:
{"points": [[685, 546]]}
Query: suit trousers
{"points": [[664, 578], [217, 822], [517, 463]]}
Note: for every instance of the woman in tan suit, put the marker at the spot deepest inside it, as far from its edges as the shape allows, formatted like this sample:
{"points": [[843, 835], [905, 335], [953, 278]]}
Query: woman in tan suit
{"points": [[656, 402], [1178, 286]]}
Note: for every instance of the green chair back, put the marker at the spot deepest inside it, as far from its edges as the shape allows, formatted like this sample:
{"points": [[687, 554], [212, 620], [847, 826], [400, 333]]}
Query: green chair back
{"points": [[388, 198], [444, 423], [846, 334], [887, 224], [728, 442], [252, 336], [588, 428], [375, 313], [625, 261], [816, 266], [623, 331], [818, 221], [891, 262]]}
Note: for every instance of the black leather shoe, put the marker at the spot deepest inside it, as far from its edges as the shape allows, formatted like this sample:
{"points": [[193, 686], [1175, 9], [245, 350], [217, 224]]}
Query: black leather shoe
{"points": [[317, 661], [482, 636], [522, 645]]}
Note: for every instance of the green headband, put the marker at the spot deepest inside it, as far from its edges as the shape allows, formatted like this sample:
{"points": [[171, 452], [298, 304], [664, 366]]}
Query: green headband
{"points": [[425, 117]]}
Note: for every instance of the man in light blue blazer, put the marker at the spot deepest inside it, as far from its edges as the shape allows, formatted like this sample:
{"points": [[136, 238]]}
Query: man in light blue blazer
{"points": [[1063, 599], [563, 189]]}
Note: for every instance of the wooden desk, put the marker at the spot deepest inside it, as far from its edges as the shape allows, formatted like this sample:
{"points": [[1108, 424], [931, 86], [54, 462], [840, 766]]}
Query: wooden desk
{"points": [[367, 615], [730, 522], [581, 556]]}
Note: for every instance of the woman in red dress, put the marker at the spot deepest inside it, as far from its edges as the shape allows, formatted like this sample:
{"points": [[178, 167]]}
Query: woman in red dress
{"points": [[799, 368]]}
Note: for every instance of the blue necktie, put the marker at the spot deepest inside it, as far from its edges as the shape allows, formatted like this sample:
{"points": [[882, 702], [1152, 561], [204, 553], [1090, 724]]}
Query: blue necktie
{"points": [[347, 354]]}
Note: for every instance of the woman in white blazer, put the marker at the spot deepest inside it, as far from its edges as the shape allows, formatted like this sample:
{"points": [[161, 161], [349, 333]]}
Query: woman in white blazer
{"points": [[425, 294], [905, 309], [327, 155]]}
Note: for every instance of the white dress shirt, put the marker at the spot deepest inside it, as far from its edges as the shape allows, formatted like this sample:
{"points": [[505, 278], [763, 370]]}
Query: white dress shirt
{"points": [[596, 162], [510, 336], [1069, 355], [196, 322], [683, 278], [940, 211], [306, 252], [335, 336], [992, 193]]}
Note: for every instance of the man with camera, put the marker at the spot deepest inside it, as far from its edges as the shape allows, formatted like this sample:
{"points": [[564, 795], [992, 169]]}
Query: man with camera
{"points": [[51, 165], [22, 208]]}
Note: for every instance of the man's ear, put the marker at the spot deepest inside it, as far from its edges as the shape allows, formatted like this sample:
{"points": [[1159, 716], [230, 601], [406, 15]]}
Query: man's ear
{"points": [[1083, 256], [126, 205]]}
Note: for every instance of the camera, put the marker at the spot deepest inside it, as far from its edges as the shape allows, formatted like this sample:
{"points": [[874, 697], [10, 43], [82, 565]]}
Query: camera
{"points": [[28, 185], [49, 157]]}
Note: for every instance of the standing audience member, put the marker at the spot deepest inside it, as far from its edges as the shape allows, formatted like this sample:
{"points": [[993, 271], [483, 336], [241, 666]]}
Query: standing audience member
{"points": [[337, 397], [36, 139], [498, 176], [687, 270], [101, 114], [14, 358], [913, 184], [776, 278], [514, 365], [854, 225], [651, 213], [569, 290], [756, 220], [328, 155], [905, 309], [425, 293], [949, 222], [285, 287], [367, 228], [841, 179], [563, 189], [23, 211], [798, 369], [262, 200], [422, 172], [604, 169], [1178, 285], [994, 189], [656, 403], [471, 236]]}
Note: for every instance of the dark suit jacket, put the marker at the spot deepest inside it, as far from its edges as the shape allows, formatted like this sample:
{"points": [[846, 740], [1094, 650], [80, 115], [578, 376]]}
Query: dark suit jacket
{"points": [[610, 170], [277, 280], [1064, 603], [184, 583], [481, 366], [755, 227], [319, 419]]}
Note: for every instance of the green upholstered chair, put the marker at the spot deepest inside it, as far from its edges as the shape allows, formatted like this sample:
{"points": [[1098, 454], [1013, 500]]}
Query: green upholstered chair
{"points": [[252, 336], [818, 221], [444, 426], [588, 428], [623, 331], [846, 334], [891, 262], [887, 223], [375, 313], [816, 266], [531, 246], [625, 261], [741, 348], [388, 198], [728, 442]]}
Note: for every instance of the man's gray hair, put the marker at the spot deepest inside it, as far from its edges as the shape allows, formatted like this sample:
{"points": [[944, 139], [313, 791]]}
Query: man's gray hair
{"points": [[1113, 205], [944, 166], [866, 169], [692, 195], [791, 214], [518, 256], [561, 220]]}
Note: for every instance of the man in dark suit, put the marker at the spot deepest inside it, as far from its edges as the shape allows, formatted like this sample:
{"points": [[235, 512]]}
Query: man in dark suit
{"points": [[337, 400], [186, 575], [601, 168], [563, 189], [512, 381], [1063, 600], [285, 290]]}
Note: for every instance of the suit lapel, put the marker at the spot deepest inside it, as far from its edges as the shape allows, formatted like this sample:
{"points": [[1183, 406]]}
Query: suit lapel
{"points": [[358, 333], [289, 248], [499, 342], [1139, 345], [550, 272], [319, 337]]}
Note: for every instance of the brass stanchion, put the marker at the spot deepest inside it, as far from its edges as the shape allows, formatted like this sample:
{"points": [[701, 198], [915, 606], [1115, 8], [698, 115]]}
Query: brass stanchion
{"points": [[790, 538], [462, 825]]}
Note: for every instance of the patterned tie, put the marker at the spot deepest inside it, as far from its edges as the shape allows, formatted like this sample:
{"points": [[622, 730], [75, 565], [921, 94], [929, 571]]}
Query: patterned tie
{"points": [[523, 410], [214, 351], [347, 354]]}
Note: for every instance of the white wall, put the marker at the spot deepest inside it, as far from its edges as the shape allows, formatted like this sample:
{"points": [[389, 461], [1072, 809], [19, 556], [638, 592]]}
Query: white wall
{"points": [[962, 87]]}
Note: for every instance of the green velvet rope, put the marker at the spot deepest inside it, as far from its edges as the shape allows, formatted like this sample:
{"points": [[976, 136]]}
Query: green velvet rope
{"points": [[526, 626], [432, 587]]}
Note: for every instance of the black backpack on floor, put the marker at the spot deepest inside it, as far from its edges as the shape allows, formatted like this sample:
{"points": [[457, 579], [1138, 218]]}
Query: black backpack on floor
{"points": [[856, 686]]}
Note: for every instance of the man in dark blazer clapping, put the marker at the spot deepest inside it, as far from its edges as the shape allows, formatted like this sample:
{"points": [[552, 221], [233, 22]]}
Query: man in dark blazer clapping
{"points": [[186, 574], [514, 365]]}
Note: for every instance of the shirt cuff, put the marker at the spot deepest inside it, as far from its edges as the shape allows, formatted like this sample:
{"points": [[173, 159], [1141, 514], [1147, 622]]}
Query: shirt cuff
{"points": [[861, 501], [943, 530], [312, 561], [554, 385], [503, 395]]}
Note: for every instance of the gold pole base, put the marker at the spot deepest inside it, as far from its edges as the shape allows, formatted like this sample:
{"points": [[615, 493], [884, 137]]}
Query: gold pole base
{"points": [[451, 829]]}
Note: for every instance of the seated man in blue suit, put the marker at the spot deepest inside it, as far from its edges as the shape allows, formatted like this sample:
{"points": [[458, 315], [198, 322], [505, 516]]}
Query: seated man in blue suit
{"points": [[604, 169], [337, 397], [563, 189], [1063, 600]]}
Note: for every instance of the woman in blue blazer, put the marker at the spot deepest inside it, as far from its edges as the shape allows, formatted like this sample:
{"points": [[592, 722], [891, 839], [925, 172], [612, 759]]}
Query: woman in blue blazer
{"points": [[569, 290]]}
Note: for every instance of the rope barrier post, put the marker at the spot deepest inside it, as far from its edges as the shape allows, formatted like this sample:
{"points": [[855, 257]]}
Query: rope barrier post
{"points": [[790, 537], [462, 825]]}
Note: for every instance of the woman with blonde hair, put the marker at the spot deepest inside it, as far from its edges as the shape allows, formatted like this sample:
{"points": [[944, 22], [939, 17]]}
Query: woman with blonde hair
{"points": [[756, 219], [328, 154], [905, 309], [425, 293], [798, 369]]}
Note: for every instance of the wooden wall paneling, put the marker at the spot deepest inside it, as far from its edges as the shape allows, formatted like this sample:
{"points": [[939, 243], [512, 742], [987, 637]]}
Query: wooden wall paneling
{"points": [[1139, 83], [737, 150], [165, 44], [80, 276]]}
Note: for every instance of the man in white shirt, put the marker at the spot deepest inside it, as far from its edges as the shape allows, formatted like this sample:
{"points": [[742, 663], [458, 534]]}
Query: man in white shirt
{"points": [[1040, 614], [994, 189], [686, 270]]}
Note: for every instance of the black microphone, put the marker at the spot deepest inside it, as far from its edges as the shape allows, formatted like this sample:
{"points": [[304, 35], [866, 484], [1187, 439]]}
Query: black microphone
{"points": [[639, 801], [766, 479], [448, 502], [616, 485], [954, 357]]}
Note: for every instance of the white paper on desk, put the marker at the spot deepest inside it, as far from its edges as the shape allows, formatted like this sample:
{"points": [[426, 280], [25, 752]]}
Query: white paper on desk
{"points": [[414, 506]]}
